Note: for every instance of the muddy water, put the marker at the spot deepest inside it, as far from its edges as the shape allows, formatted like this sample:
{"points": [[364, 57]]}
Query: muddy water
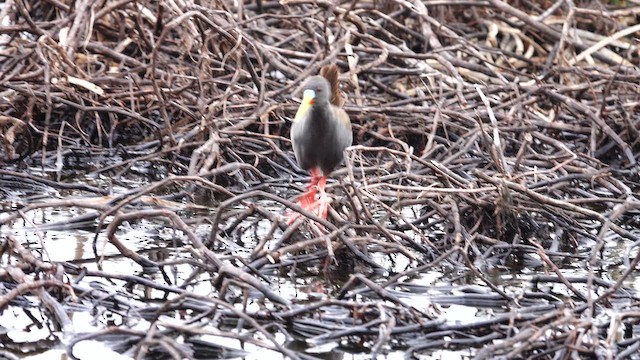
{"points": [[67, 234]]}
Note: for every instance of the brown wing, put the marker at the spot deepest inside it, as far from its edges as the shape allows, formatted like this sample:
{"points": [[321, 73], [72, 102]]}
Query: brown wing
{"points": [[331, 73], [343, 117]]}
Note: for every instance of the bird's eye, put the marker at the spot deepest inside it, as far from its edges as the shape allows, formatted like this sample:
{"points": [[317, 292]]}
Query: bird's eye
{"points": [[319, 90]]}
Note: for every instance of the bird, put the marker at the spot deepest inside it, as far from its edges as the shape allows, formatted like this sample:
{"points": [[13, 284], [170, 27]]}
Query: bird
{"points": [[320, 133]]}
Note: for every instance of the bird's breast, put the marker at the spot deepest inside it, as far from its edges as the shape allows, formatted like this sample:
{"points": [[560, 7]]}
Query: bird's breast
{"points": [[319, 139]]}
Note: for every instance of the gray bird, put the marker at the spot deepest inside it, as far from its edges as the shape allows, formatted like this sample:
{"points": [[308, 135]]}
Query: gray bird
{"points": [[320, 132]]}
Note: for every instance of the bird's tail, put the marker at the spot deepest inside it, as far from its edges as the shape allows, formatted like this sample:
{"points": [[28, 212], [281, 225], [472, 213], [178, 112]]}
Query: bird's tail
{"points": [[332, 73]]}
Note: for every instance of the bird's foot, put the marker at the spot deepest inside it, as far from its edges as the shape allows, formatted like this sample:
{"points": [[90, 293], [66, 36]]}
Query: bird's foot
{"points": [[322, 204], [308, 201], [305, 201]]}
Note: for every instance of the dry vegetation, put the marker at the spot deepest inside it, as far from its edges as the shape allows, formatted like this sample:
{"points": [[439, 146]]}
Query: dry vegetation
{"points": [[492, 138]]}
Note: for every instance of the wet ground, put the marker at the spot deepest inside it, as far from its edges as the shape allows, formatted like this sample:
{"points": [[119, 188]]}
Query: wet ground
{"points": [[488, 209], [62, 226]]}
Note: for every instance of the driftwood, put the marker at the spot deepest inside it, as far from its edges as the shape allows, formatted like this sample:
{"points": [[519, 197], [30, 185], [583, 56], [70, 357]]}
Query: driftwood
{"points": [[495, 167]]}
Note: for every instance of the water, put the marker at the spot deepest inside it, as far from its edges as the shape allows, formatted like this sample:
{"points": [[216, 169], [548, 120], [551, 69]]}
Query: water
{"points": [[445, 291]]}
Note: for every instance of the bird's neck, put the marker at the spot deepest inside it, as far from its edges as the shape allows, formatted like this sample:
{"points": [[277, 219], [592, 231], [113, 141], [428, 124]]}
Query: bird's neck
{"points": [[320, 111]]}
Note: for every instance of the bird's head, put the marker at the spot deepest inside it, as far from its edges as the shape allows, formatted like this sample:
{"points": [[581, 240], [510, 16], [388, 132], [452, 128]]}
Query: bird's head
{"points": [[316, 90]]}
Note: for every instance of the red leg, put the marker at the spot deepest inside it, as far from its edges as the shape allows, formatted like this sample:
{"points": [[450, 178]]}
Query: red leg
{"points": [[307, 200], [323, 201], [316, 177]]}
